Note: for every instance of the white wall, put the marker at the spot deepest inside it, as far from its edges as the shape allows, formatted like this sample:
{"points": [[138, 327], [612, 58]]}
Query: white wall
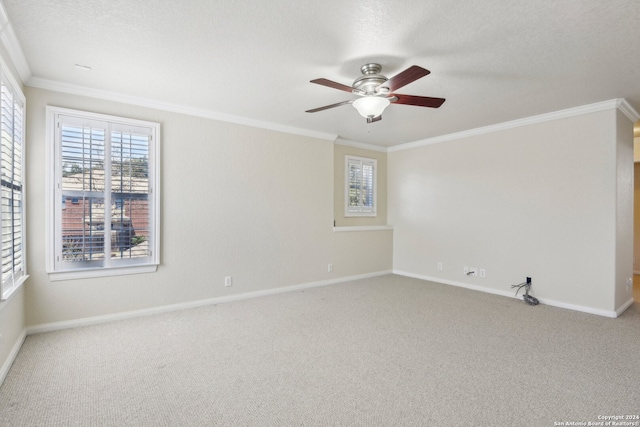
{"points": [[537, 200], [240, 201]]}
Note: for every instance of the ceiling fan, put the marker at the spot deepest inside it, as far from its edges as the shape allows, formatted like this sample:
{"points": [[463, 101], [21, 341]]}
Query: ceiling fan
{"points": [[377, 92]]}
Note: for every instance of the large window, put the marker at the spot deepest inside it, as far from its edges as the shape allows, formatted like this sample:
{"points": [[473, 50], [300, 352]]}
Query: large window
{"points": [[104, 195], [360, 186], [13, 255]]}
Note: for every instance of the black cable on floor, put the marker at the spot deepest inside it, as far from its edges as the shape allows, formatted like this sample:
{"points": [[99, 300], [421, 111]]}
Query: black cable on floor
{"points": [[529, 299]]}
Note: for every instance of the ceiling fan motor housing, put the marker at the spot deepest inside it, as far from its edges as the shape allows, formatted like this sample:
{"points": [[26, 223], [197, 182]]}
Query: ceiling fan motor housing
{"points": [[369, 80]]}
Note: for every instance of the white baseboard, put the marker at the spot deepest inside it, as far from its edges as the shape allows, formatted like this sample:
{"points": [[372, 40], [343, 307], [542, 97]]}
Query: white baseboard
{"points": [[624, 306], [545, 301], [55, 326], [12, 356], [453, 283], [590, 310]]}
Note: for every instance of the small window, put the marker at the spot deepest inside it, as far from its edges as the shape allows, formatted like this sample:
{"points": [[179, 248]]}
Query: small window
{"points": [[360, 186], [106, 169]]}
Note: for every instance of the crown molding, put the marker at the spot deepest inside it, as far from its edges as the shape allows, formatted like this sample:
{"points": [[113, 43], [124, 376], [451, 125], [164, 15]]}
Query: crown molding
{"points": [[55, 86], [628, 110], [612, 104], [11, 44], [363, 145]]}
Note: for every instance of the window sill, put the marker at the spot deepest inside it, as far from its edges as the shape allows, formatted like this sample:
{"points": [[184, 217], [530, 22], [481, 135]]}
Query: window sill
{"points": [[363, 228], [97, 272], [14, 290], [360, 214]]}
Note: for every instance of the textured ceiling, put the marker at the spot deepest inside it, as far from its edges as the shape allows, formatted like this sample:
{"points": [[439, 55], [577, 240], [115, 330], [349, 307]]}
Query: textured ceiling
{"points": [[493, 60]]}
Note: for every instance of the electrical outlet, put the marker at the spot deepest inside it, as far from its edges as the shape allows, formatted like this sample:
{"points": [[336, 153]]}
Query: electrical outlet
{"points": [[439, 266], [330, 268], [465, 270], [629, 283], [483, 272], [228, 281]]}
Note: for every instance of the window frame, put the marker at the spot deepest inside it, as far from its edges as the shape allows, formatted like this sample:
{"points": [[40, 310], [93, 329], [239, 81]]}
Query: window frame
{"points": [[360, 211], [54, 196], [9, 285]]}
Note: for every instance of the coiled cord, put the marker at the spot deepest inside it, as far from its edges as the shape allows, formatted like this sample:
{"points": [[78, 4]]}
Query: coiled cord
{"points": [[529, 299]]}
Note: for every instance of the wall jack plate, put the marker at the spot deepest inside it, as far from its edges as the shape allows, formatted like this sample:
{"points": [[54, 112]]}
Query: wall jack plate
{"points": [[470, 271]]}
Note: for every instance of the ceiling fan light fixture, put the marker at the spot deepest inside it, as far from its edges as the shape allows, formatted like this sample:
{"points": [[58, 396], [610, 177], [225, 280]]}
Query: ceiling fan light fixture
{"points": [[371, 106]]}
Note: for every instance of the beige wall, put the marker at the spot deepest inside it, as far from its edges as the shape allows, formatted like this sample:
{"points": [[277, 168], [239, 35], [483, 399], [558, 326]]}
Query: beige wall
{"points": [[537, 200], [12, 328], [636, 199], [636, 219], [338, 186], [624, 209], [240, 201]]}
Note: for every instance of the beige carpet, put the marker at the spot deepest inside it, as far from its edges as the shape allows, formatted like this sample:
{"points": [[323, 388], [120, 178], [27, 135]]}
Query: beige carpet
{"points": [[387, 351]]}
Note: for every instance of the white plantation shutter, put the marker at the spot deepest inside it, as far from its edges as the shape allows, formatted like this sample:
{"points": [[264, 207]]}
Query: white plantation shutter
{"points": [[105, 184], [367, 187], [360, 183], [13, 271], [81, 241], [130, 192], [354, 182]]}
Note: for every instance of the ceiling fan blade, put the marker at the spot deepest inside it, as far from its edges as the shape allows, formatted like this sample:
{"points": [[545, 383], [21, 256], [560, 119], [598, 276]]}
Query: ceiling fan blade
{"points": [[419, 101], [407, 76], [335, 85], [374, 119], [326, 107]]}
